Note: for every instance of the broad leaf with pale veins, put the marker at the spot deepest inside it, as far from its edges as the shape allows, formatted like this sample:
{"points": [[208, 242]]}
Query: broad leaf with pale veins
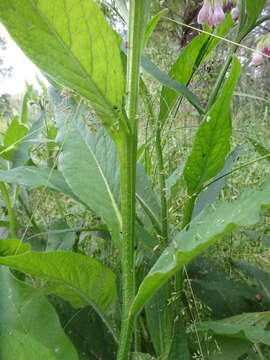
{"points": [[29, 326], [71, 42]]}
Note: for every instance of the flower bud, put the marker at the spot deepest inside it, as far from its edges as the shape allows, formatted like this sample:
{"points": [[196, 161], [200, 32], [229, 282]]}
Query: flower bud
{"points": [[218, 15], [257, 58], [204, 13], [227, 6], [235, 13]]}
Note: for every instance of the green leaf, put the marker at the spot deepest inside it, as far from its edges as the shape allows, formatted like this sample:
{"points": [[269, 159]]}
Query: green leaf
{"points": [[152, 24], [71, 42], [13, 247], [253, 327], [208, 195], [25, 331], [263, 151], [208, 227], [14, 134], [179, 341], [60, 241], [167, 81], [89, 164], [173, 182], [87, 332], [187, 63], [212, 140], [233, 349], [250, 11], [257, 277], [160, 321], [77, 278], [32, 176], [147, 197], [21, 153], [224, 296]]}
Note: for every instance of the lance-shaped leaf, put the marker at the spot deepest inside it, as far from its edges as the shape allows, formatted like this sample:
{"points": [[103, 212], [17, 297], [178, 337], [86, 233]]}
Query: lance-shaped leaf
{"points": [[167, 81], [250, 11], [25, 331], [32, 176], [152, 24], [212, 140], [89, 164], [209, 226], [187, 63], [209, 195], [71, 42], [253, 327], [77, 278]]}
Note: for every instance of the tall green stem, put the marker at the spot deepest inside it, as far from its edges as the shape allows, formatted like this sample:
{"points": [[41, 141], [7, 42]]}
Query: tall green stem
{"points": [[127, 156], [127, 149], [162, 185], [11, 214]]}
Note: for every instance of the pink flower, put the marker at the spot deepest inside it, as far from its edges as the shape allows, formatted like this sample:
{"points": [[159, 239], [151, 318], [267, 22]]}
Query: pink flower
{"points": [[227, 6], [266, 51], [218, 16], [257, 58], [204, 13], [235, 13]]}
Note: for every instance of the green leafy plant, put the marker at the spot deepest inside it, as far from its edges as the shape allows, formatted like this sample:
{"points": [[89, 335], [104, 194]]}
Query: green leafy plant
{"points": [[132, 293]]}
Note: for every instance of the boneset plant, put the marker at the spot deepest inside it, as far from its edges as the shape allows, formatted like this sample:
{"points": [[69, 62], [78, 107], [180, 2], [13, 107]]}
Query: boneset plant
{"points": [[77, 50]]}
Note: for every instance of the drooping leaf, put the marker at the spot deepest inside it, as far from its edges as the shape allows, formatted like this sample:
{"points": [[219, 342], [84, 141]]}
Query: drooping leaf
{"points": [[252, 327], [13, 136], [209, 226], [187, 63], [212, 140], [25, 332], [77, 278], [32, 176], [168, 82], [152, 24], [208, 195], [71, 42]]}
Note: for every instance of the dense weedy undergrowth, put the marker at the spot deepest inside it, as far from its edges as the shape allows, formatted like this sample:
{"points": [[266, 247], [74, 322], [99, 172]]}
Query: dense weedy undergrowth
{"points": [[135, 221]]}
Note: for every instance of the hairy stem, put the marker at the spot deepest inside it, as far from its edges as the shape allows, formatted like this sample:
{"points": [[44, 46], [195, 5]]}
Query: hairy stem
{"points": [[127, 157], [127, 149]]}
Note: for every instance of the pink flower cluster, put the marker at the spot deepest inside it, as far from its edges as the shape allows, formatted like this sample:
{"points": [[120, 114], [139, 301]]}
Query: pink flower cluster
{"points": [[213, 12]]}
